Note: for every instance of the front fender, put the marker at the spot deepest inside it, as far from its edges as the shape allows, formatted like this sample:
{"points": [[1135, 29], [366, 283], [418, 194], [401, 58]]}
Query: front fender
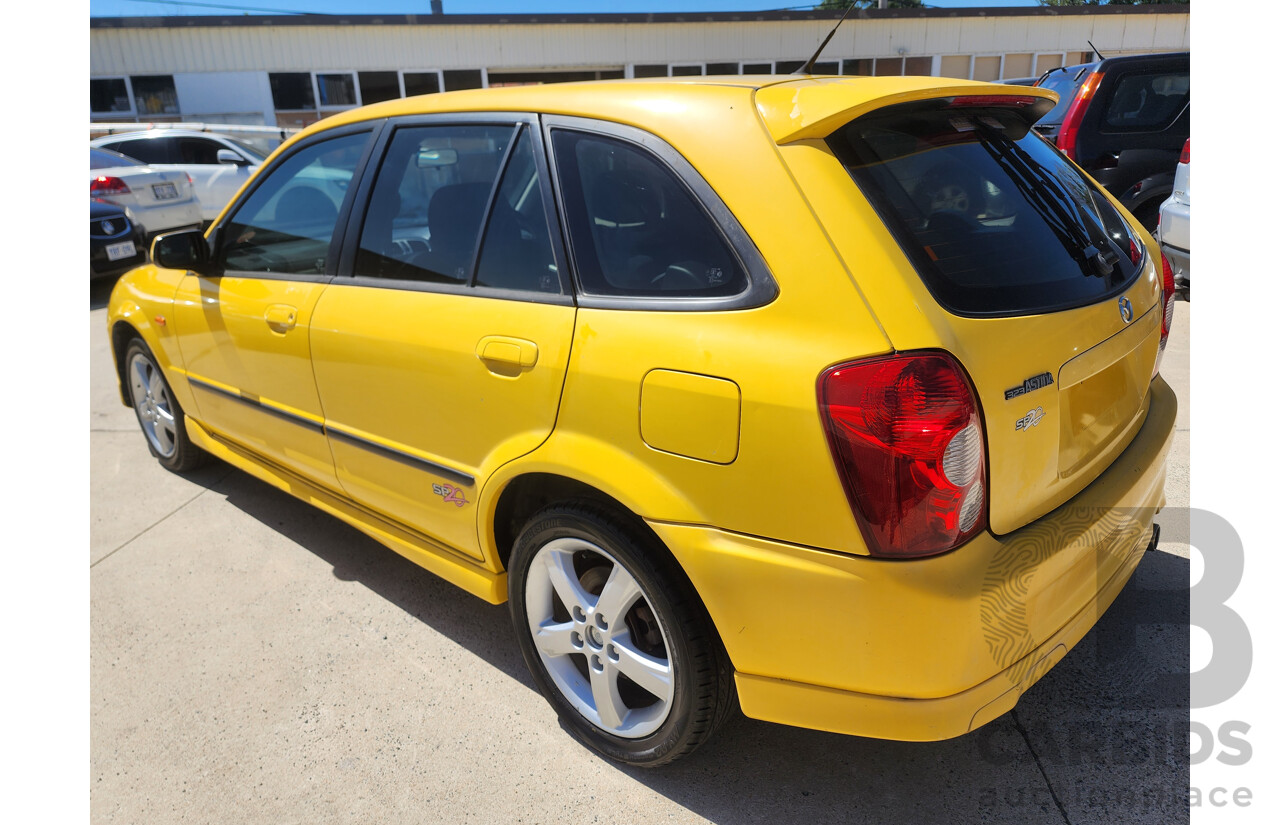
{"points": [[141, 304]]}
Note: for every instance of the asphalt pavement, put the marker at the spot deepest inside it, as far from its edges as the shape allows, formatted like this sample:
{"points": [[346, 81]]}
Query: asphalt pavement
{"points": [[256, 660]]}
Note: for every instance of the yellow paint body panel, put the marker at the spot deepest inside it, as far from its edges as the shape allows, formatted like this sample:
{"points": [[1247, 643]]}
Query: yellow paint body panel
{"points": [[706, 423]]}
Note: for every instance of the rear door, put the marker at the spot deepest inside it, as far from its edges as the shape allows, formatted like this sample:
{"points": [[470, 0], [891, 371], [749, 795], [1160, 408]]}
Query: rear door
{"points": [[441, 351], [1025, 271]]}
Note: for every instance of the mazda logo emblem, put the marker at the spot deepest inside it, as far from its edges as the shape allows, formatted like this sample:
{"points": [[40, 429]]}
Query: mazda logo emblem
{"points": [[1126, 310]]}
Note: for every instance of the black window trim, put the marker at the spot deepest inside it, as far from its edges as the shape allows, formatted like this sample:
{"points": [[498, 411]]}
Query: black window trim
{"points": [[526, 121], [374, 128], [761, 287]]}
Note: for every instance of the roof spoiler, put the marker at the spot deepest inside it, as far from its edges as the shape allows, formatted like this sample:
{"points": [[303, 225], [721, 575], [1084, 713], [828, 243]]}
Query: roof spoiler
{"points": [[814, 108]]}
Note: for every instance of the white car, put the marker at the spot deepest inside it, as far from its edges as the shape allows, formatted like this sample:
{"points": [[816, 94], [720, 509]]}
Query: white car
{"points": [[157, 200], [1174, 230], [218, 165]]}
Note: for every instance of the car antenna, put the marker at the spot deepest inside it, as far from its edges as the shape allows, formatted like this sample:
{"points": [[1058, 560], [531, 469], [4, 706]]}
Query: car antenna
{"points": [[1095, 49], [807, 68]]}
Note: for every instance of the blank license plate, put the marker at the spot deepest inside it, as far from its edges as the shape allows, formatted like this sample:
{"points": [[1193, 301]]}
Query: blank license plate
{"points": [[164, 191], [124, 249]]}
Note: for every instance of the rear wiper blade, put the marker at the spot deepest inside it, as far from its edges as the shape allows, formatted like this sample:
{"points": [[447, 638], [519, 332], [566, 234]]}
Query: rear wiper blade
{"points": [[1096, 255]]}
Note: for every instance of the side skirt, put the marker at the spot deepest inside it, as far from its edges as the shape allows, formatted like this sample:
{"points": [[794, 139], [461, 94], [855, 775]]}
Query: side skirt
{"points": [[417, 548]]}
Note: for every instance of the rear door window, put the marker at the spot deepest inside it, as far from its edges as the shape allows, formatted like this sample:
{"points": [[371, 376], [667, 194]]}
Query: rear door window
{"points": [[1147, 101], [198, 151], [994, 219]]}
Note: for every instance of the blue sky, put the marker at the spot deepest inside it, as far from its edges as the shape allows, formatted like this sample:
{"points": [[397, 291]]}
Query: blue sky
{"points": [[123, 8]]}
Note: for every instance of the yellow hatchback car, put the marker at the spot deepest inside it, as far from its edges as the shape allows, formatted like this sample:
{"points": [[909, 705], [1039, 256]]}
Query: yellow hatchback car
{"points": [[835, 398]]}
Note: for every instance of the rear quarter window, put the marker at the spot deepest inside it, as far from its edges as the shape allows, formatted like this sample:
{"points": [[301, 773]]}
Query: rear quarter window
{"points": [[1147, 101], [635, 229]]}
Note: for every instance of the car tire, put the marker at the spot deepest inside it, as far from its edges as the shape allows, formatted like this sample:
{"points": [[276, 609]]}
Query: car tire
{"points": [[159, 414], [616, 641]]}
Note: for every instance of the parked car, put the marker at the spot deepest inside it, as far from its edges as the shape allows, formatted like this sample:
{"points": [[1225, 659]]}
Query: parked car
{"points": [[218, 165], [869, 453], [116, 244], [1124, 120], [1175, 223], [158, 200]]}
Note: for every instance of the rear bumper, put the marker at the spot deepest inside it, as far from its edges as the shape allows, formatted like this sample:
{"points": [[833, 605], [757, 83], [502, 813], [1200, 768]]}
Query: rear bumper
{"points": [[932, 648]]}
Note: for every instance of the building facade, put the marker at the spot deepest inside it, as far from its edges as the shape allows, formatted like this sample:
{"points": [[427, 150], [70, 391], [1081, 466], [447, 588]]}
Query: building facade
{"points": [[294, 70]]}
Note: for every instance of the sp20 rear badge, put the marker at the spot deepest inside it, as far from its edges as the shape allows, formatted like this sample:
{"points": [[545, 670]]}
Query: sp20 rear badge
{"points": [[452, 495], [1029, 420]]}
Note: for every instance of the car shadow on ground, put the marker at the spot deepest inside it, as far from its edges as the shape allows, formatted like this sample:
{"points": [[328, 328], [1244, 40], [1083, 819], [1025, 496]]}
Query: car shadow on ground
{"points": [[100, 292], [1102, 738]]}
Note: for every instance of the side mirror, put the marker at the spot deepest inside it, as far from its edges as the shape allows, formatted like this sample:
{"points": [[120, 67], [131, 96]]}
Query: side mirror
{"points": [[182, 250], [234, 158]]}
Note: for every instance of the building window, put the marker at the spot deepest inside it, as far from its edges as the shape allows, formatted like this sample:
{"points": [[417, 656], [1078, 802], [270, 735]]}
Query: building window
{"points": [[686, 69], [155, 94], [919, 66], [336, 90], [955, 65], [862, 66], [379, 86], [650, 70], [109, 95], [888, 66], [1019, 65], [1045, 62], [292, 90], [787, 66], [722, 68], [987, 68], [463, 79], [421, 83], [826, 67], [757, 68]]}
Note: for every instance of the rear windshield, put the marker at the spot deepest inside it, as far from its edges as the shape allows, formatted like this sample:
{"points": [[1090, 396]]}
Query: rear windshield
{"points": [[1065, 82], [106, 159], [994, 219]]}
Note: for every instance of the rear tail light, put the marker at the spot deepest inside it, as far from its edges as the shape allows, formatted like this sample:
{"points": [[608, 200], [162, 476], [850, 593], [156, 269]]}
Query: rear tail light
{"points": [[1166, 321], [106, 185], [907, 438], [1075, 115], [1185, 157]]}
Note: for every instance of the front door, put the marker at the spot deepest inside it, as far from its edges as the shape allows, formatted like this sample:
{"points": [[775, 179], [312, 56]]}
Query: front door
{"points": [[245, 332], [443, 355]]}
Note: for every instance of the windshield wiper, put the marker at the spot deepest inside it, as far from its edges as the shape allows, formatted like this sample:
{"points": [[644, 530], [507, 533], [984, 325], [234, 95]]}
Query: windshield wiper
{"points": [[1083, 237]]}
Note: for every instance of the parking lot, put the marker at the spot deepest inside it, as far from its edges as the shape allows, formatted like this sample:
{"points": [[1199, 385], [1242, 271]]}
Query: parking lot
{"points": [[254, 659]]}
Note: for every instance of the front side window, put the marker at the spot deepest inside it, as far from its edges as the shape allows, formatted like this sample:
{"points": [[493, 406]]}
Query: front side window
{"points": [[198, 151], [994, 219], [286, 224], [636, 230]]}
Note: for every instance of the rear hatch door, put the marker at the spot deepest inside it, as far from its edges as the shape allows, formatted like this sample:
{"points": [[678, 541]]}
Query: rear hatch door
{"points": [[1021, 267]]}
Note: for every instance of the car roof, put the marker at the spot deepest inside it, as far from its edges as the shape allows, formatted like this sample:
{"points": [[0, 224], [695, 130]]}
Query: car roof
{"points": [[158, 133], [1107, 62], [792, 106]]}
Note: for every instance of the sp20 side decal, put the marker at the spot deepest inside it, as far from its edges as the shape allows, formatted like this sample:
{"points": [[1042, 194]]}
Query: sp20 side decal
{"points": [[452, 495]]}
